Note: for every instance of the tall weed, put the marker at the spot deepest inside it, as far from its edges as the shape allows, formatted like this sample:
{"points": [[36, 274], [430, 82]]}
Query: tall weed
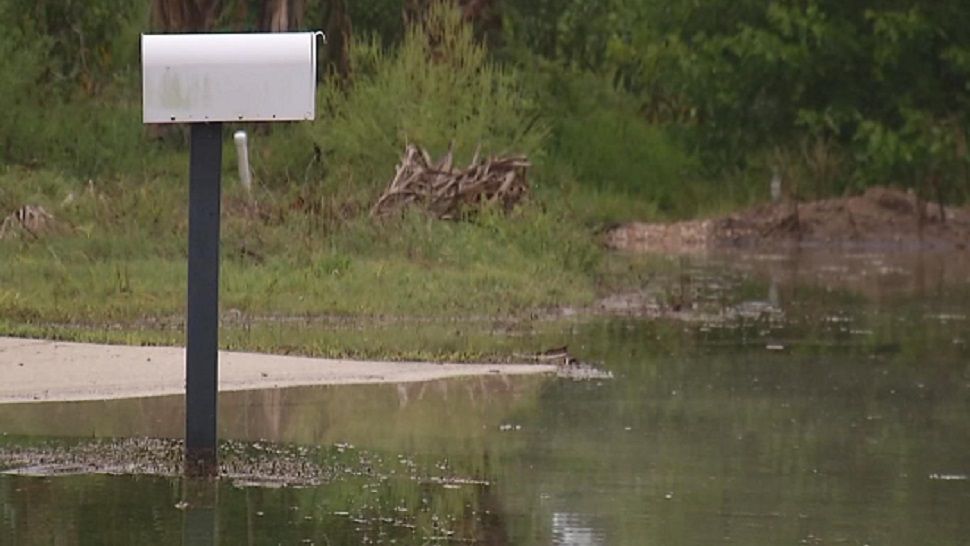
{"points": [[21, 66]]}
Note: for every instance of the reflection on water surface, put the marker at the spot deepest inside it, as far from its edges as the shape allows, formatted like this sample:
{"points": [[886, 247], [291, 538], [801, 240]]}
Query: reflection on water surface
{"points": [[806, 400]]}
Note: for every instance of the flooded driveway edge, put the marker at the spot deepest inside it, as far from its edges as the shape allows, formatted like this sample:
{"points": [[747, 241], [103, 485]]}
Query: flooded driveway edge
{"points": [[47, 371]]}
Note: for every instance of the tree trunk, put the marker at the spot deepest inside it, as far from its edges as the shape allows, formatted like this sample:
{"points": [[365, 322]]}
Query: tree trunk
{"points": [[412, 11], [283, 15], [184, 15], [339, 31], [484, 16], [475, 11]]}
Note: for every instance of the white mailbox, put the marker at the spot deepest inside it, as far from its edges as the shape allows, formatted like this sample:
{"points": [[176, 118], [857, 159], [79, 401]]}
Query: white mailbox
{"points": [[192, 78]]}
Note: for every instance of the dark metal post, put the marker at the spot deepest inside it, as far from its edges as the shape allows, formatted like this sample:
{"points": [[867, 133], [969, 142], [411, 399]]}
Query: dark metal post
{"points": [[202, 327]]}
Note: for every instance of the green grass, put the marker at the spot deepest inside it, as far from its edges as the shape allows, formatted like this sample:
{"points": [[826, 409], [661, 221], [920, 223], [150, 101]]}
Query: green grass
{"points": [[115, 270], [437, 340], [119, 255]]}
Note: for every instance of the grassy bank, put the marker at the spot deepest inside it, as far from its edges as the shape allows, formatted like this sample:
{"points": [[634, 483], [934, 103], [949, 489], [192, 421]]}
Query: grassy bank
{"points": [[117, 251], [294, 279], [118, 254]]}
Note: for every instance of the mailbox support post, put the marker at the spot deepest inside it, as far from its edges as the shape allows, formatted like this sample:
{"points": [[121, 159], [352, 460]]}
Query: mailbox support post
{"points": [[199, 79], [202, 327]]}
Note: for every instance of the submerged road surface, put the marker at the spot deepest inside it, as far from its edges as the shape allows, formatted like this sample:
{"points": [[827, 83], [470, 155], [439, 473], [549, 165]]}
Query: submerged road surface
{"points": [[33, 370]]}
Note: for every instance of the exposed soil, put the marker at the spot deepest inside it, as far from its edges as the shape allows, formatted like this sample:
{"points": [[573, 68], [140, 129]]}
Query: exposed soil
{"points": [[881, 218]]}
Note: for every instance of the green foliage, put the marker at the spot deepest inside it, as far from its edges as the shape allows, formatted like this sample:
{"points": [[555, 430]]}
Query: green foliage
{"points": [[86, 44], [21, 66], [437, 90], [846, 93], [638, 107], [588, 35], [919, 135], [68, 96], [599, 136], [885, 84], [380, 18]]}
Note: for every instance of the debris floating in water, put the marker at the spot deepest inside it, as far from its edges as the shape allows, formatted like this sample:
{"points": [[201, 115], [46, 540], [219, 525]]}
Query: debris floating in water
{"points": [[580, 371], [568, 366], [243, 464], [455, 481], [947, 317], [950, 477]]}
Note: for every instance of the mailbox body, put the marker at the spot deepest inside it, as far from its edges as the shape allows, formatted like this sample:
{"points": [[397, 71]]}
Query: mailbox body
{"points": [[192, 78]]}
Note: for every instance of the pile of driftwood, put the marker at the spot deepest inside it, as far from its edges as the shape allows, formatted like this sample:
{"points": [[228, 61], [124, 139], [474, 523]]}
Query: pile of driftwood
{"points": [[28, 220], [447, 192]]}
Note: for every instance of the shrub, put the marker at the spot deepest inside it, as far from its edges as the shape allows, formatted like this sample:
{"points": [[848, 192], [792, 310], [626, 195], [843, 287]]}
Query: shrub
{"points": [[69, 96], [437, 90], [599, 135], [21, 65]]}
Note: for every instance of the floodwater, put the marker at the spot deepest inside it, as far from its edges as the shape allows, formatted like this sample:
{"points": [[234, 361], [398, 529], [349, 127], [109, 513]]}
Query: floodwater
{"points": [[784, 400]]}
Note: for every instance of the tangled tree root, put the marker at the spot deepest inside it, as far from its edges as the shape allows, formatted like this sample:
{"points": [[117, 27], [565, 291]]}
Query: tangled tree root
{"points": [[447, 192]]}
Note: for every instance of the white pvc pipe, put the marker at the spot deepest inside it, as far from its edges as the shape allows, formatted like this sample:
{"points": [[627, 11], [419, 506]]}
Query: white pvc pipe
{"points": [[242, 155], [775, 186]]}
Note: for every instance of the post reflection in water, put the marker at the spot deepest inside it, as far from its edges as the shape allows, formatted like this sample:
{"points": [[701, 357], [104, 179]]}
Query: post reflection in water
{"points": [[573, 530], [200, 499]]}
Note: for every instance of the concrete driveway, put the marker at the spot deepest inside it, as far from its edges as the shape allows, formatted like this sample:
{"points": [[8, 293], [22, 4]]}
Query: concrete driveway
{"points": [[33, 370]]}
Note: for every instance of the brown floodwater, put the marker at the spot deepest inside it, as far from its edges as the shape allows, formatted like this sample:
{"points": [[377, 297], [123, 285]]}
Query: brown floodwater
{"points": [[797, 399]]}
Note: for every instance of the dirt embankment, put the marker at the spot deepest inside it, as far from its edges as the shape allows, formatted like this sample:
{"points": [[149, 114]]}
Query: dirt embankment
{"points": [[881, 218]]}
